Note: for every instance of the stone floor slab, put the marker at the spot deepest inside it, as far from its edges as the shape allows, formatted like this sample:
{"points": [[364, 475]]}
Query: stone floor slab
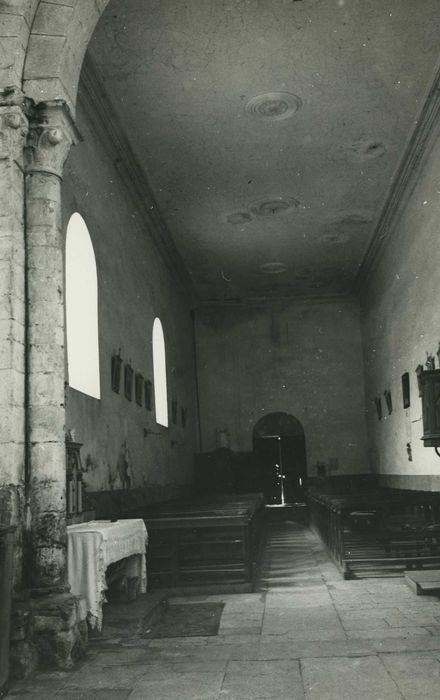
{"points": [[116, 657], [416, 675], [402, 644], [309, 635], [263, 679], [92, 694], [387, 632], [299, 649], [117, 677], [348, 679], [185, 686]]}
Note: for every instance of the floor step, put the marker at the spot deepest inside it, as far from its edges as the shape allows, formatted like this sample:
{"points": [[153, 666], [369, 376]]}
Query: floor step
{"points": [[424, 582]]}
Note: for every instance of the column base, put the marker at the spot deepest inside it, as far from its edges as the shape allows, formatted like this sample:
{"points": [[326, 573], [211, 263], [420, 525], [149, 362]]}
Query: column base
{"points": [[47, 631], [48, 591]]}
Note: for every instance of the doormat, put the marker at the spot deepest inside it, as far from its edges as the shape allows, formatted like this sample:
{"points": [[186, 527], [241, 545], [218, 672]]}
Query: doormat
{"points": [[190, 620]]}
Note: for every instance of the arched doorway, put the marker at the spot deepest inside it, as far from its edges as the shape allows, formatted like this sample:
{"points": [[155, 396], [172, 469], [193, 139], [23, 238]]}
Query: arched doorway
{"points": [[280, 458]]}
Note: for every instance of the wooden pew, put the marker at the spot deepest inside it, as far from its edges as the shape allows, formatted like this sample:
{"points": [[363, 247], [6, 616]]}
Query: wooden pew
{"points": [[379, 532], [205, 543]]}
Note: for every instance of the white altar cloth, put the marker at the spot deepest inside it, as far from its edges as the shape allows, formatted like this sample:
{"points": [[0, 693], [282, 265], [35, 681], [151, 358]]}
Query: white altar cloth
{"points": [[92, 546]]}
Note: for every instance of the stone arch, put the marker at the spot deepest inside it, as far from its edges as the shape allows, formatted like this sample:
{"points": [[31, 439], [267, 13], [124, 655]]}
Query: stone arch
{"points": [[278, 423], [62, 31], [44, 45], [16, 21]]}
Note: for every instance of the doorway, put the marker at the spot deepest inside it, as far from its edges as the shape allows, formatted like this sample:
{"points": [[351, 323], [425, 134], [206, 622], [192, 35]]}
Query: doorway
{"points": [[279, 451]]}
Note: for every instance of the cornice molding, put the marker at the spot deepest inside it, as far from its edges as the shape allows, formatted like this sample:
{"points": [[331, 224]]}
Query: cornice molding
{"points": [[94, 99], [425, 130], [272, 301]]}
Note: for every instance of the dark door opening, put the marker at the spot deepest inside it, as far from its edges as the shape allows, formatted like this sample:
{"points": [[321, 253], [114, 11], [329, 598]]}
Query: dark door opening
{"points": [[280, 459]]}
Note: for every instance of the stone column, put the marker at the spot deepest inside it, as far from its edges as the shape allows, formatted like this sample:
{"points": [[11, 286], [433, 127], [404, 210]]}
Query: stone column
{"points": [[51, 134], [13, 129]]}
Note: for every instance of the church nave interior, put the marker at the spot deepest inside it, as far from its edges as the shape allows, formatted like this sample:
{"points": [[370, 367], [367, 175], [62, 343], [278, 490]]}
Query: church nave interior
{"points": [[220, 364]]}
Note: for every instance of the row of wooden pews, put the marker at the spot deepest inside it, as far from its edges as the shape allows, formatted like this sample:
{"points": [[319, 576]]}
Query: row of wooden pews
{"points": [[209, 542], [378, 532]]}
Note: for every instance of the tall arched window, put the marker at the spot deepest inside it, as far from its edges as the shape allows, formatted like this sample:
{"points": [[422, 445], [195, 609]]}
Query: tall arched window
{"points": [[160, 374], [81, 309]]}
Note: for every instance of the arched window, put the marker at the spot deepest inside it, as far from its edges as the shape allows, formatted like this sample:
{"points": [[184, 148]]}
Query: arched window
{"points": [[160, 374], [81, 309]]}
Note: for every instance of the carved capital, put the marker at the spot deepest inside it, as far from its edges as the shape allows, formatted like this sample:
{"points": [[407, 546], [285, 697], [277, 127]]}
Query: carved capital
{"points": [[13, 96], [52, 132], [13, 131]]}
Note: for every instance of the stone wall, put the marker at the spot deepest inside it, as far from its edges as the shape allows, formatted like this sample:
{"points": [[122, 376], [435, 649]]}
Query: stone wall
{"points": [[401, 324], [123, 445], [302, 358]]}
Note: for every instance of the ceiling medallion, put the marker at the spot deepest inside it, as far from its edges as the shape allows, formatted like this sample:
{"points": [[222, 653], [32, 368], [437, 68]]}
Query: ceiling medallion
{"points": [[273, 106], [368, 149], [274, 205], [334, 238], [273, 268], [239, 218], [349, 218]]}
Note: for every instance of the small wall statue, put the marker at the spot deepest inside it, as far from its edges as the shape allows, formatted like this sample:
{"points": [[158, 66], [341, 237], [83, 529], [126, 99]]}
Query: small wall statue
{"points": [[430, 362], [124, 466], [388, 401]]}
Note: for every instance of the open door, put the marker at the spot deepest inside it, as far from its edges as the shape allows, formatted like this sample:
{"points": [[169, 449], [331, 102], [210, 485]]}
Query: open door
{"points": [[280, 459]]}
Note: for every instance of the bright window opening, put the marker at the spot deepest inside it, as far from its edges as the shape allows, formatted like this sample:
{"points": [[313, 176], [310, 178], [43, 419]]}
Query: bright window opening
{"points": [[82, 309], [160, 374]]}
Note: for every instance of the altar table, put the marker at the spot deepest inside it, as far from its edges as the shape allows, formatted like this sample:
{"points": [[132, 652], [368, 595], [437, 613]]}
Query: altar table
{"points": [[92, 546]]}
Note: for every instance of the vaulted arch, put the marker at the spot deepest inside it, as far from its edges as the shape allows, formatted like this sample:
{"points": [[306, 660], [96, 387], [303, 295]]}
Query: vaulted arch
{"points": [[44, 45]]}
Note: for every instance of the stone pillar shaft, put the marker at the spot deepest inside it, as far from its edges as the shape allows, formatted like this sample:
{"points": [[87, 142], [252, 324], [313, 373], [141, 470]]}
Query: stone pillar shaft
{"points": [[13, 129], [50, 138]]}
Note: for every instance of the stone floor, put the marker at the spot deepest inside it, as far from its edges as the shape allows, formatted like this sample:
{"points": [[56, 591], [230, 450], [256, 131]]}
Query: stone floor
{"points": [[304, 635]]}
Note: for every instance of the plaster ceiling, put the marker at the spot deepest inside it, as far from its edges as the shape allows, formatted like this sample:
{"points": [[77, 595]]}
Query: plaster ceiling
{"points": [[278, 195]]}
